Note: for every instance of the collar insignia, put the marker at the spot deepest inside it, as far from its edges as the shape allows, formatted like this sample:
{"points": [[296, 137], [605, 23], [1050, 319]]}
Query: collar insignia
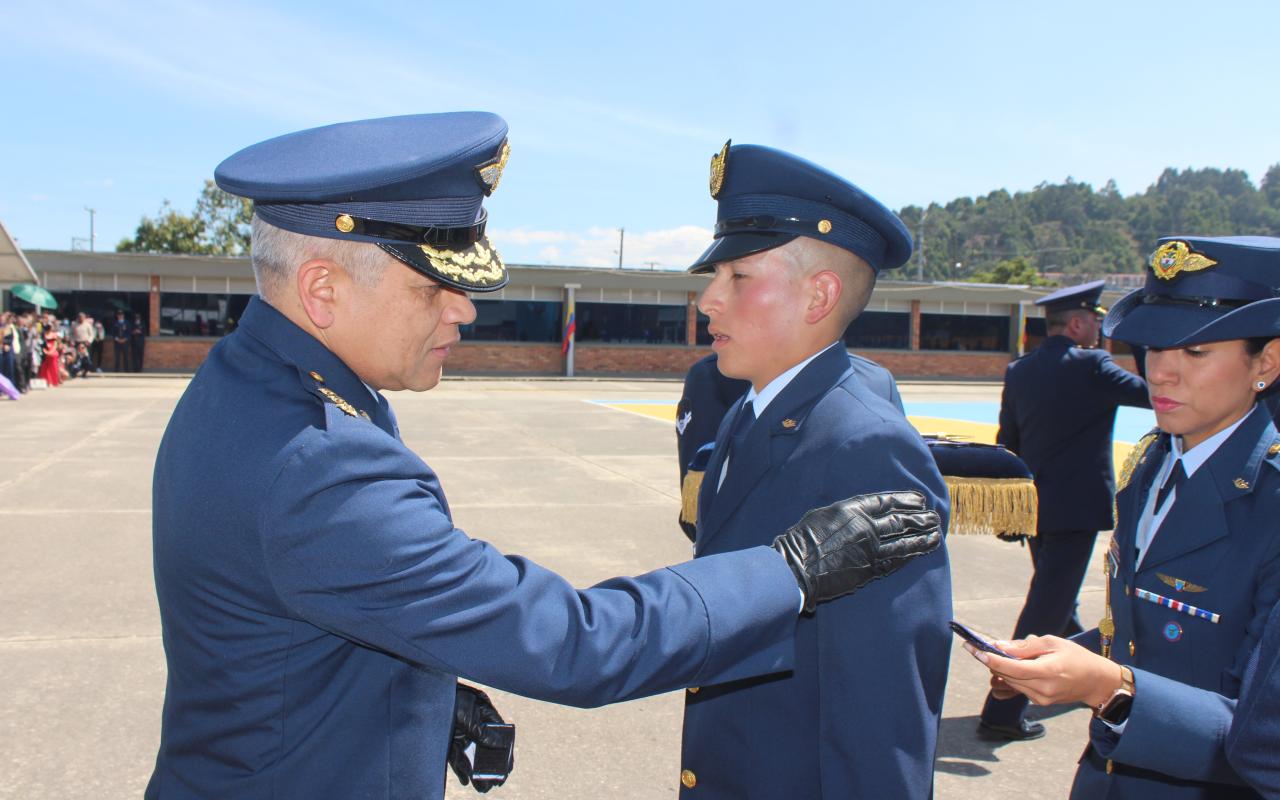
{"points": [[788, 423], [1172, 258], [719, 163], [1180, 584], [343, 405], [490, 172]]}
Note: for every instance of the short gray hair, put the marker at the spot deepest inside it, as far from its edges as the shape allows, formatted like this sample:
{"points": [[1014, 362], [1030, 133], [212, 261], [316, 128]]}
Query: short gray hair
{"points": [[276, 254]]}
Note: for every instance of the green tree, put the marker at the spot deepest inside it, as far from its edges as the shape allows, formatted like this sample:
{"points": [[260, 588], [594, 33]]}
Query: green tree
{"points": [[1015, 271], [219, 225]]}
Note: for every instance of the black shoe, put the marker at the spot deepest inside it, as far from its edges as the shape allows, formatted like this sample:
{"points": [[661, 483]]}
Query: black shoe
{"points": [[1022, 732]]}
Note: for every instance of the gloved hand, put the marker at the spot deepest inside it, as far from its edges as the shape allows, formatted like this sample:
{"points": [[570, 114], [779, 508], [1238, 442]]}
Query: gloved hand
{"points": [[471, 711], [836, 550]]}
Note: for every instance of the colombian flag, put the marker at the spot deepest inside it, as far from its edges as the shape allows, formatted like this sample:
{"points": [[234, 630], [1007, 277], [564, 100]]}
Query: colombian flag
{"points": [[569, 328]]}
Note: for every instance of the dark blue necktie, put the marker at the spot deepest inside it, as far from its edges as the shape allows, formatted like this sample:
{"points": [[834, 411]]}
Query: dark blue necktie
{"points": [[1175, 480], [738, 432]]}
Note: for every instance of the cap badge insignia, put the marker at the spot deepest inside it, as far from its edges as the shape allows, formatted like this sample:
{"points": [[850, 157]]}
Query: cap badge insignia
{"points": [[490, 172], [719, 163], [1179, 583], [1172, 258]]}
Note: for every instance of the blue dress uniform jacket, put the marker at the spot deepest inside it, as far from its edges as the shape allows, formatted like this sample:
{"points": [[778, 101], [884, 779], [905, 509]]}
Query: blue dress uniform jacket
{"points": [[857, 717], [1253, 743], [318, 603], [1217, 550], [708, 394], [1057, 413]]}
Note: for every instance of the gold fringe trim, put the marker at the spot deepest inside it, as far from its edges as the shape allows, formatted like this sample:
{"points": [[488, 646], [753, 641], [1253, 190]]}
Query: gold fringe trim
{"points": [[992, 506], [689, 496]]}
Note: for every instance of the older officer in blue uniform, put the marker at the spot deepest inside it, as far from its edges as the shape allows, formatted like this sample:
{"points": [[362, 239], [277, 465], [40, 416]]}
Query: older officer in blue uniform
{"points": [[1057, 413], [794, 261], [707, 395], [317, 602], [1193, 570]]}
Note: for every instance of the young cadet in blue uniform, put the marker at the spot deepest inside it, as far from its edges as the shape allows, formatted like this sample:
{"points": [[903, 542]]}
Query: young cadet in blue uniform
{"points": [[317, 602], [707, 395], [794, 261], [1057, 413], [1193, 570]]}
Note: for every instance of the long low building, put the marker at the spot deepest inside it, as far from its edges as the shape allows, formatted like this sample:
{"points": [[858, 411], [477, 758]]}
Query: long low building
{"points": [[628, 321]]}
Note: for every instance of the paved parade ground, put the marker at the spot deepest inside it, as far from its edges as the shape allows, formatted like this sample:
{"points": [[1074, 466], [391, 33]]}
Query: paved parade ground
{"points": [[547, 469]]}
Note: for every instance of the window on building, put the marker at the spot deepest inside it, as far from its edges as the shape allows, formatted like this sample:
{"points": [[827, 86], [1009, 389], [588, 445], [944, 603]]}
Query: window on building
{"points": [[964, 332], [1033, 333], [888, 330], [631, 323], [193, 314], [515, 321], [102, 306], [703, 335]]}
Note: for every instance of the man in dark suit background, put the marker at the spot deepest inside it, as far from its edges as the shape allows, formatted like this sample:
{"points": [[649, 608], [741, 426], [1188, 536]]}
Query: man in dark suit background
{"points": [[1057, 414]]}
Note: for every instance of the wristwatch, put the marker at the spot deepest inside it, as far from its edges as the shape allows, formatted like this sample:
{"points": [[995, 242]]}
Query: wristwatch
{"points": [[1116, 708]]}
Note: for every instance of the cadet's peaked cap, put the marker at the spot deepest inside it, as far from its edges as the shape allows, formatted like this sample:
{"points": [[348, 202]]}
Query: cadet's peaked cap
{"points": [[1072, 297], [768, 197], [1202, 289], [412, 185]]}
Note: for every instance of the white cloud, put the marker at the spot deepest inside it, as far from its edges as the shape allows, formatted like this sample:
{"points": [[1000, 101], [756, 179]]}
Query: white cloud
{"points": [[671, 248]]}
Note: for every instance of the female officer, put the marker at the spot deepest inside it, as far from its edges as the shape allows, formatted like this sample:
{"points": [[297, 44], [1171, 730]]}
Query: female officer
{"points": [[1193, 569]]}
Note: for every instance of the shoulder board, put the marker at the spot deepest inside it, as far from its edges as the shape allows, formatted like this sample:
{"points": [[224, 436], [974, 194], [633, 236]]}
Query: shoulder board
{"points": [[1135, 455]]}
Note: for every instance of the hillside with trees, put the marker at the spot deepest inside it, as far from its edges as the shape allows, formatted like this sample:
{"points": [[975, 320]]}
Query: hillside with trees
{"points": [[1071, 228]]}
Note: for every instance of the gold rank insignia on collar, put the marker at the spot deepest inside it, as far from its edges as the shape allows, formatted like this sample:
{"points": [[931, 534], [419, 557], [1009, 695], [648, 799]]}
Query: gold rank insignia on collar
{"points": [[1274, 450], [789, 423], [719, 164], [490, 172], [1179, 583], [1171, 258], [336, 399]]}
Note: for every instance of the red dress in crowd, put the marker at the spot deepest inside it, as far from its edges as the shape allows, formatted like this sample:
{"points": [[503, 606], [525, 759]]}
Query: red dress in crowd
{"points": [[49, 365]]}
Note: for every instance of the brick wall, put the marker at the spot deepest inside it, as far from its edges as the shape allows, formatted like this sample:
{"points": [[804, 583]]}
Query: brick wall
{"points": [[521, 358]]}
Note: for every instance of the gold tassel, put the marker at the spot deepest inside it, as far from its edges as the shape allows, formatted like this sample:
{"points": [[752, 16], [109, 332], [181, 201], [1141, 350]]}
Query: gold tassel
{"points": [[992, 505], [689, 496]]}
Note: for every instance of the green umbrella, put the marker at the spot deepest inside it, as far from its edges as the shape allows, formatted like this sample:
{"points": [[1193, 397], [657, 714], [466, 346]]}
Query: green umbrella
{"points": [[35, 295]]}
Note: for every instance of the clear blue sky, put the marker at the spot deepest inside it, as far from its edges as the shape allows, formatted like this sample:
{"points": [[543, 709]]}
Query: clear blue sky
{"points": [[614, 113]]}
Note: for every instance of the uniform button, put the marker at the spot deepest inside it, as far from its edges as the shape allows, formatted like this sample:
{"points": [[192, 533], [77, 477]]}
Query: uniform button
{"points": [[694, 689], [1131, 648], [688, 778], [1109, 766]]}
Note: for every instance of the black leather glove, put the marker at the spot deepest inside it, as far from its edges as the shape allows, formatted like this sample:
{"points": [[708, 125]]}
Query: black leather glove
{"points": [[836, 550], [471, 711]]}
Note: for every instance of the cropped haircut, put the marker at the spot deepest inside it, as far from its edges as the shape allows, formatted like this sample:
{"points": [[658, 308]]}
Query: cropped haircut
{"points": [[276, 254]]}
